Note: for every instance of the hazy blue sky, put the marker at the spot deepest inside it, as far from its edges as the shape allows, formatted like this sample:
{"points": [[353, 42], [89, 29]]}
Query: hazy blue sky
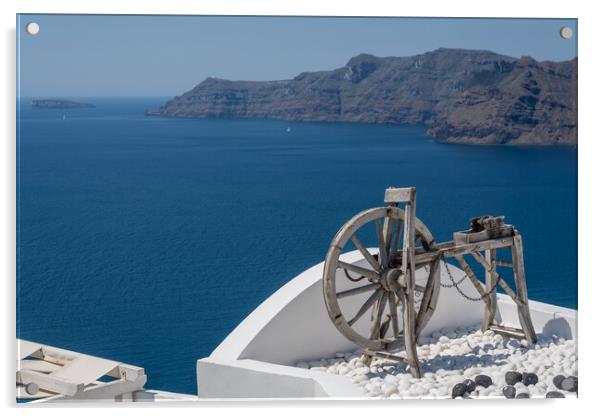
{"points": [[87, 55]]}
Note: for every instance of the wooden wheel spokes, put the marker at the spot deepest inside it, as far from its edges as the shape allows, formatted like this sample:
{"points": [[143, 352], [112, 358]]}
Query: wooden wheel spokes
{"points": [[377, 314], [370, 274], [395, 320], [364, 308], [357, 290], [389, 234], [368, 307], [369, 257], [393, 314], [383, 320], [378, 309], [396, 239], [381, 244]]}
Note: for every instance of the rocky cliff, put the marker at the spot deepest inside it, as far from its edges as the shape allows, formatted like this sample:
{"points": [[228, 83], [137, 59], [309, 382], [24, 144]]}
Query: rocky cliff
{"points": [[463, 96]]}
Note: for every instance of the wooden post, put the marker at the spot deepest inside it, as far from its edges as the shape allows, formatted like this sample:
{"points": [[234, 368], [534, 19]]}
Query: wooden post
{"points": [[430, 297], [490, 276], [520, 282], [409, 268]]}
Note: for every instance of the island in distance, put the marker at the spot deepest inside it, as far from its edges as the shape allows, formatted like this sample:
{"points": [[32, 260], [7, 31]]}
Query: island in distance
{"points": [[59, 103], [462, 96]]}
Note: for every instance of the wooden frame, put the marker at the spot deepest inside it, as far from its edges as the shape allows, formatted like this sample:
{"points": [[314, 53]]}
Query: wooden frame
{"points": [[50, 373], [392, 275]]}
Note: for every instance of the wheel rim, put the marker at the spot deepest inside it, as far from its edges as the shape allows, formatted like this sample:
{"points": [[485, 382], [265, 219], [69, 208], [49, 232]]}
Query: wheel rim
{"points": [[380, 273]]}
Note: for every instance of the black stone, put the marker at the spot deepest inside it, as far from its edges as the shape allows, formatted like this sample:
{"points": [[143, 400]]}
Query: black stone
{"points": [[558, 381], [513, 377], [470, 385], [554, 395], [483, 380], [459, 390], [509, 392], [530, 379], [522, 396], [569, 384]]}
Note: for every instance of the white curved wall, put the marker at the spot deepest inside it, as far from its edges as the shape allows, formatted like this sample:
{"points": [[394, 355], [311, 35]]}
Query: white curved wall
{"points": [[257, 358], [293, 325]]}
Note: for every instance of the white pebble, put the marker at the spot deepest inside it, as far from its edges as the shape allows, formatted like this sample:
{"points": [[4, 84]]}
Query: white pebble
{"points": [[372, 388], [388, 389], [343, 370], [404, 385], [450, 357]]}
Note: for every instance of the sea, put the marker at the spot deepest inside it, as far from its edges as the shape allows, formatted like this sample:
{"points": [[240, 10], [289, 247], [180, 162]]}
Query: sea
{"points": [[147, 240]]}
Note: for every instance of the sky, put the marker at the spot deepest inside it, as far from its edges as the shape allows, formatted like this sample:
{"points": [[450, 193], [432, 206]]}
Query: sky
{"points": [[110, 55]]}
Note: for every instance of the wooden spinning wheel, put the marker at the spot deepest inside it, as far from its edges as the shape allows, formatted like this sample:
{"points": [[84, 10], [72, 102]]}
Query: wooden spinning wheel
{"points": [[388, 277], [385, 278]]}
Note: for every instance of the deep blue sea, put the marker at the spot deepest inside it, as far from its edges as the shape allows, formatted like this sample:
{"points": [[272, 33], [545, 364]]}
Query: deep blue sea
{"points": [[147, 240]]}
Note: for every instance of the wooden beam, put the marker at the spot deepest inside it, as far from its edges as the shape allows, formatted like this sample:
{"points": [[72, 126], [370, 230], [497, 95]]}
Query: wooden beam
{"points": [[49, 382], [490, 284], [473, 278], [474, 247], [409, 270], [487, 266], [507, 331], [384, 355], [448, 249], [85, 369], [524, 316], [430, 296], [397, 195], [108, 390], [503, 263], [37, 365]]}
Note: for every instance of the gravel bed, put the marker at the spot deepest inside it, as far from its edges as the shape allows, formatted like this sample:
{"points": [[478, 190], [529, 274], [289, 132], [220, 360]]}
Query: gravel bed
{"points": [[466, 363]]}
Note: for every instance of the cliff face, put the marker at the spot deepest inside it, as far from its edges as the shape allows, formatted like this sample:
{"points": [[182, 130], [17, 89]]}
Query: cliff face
{"points": [[464, 96]]}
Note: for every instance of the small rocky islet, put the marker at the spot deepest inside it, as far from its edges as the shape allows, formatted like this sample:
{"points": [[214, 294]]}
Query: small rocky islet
{"points": [[55, 103], [466, 363]]}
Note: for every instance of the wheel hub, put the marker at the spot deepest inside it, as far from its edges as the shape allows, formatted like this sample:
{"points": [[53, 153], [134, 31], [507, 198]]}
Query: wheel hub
{"points": [[390, 279]]}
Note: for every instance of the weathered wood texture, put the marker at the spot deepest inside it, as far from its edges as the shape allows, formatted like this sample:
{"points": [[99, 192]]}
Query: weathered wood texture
{"points": [[397, 195], [521, 287], [490, 283], [409, 269], [390, 276]]}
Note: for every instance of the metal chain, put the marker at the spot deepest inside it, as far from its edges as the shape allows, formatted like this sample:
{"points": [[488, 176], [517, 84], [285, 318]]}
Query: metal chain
{"points": [[454, 283], [418, 295], [464, 295], [353, 279], [418, 299]]}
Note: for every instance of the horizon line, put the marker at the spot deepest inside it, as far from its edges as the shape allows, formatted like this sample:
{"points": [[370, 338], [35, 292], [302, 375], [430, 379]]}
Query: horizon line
{"points": [[301, 72]]}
